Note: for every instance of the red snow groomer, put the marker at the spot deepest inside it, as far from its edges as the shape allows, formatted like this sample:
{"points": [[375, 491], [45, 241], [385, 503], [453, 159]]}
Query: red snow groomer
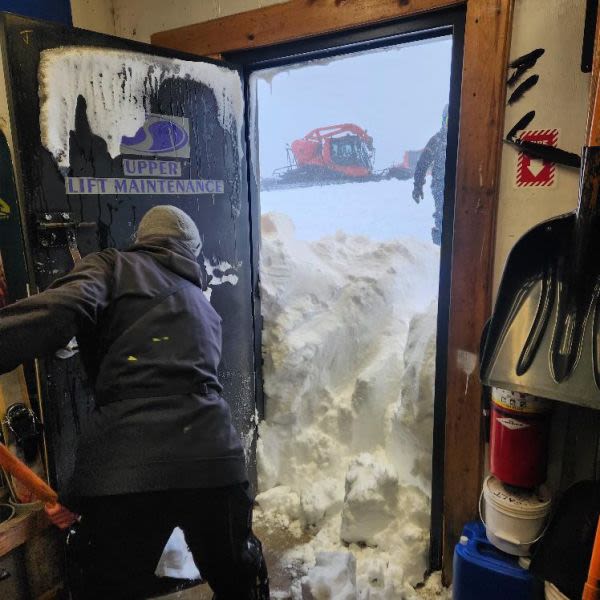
{"points": [[334, 154], [346, 149]]}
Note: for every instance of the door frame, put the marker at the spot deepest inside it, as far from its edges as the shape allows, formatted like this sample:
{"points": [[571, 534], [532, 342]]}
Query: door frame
{"points": [[481, 122], [425, 27]]}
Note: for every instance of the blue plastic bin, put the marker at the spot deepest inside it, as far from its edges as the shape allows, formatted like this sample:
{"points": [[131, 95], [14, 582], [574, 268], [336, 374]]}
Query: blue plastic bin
{"points": [[482, 572]]}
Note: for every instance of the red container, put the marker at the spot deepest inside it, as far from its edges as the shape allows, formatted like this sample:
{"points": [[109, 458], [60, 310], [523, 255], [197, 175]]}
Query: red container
{"points": [[520, 425]]}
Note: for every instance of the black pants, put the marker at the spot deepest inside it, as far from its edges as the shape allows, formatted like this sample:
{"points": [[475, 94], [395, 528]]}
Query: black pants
{"points": [[121, 538]]}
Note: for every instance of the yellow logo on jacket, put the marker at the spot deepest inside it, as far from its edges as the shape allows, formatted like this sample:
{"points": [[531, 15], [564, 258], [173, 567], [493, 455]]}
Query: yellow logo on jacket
{"points": [[4, 210]]}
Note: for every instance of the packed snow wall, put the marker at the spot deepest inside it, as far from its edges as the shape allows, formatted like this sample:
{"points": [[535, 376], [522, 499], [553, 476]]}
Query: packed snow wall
{"points": [[344, 454]]}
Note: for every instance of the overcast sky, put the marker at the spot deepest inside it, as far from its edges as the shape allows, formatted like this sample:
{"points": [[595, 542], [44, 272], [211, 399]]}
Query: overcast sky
{"points": [[397, 94]]}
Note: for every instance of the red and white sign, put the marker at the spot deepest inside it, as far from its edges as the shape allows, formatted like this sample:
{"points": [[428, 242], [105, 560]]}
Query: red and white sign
{"points": [[532, 172]]}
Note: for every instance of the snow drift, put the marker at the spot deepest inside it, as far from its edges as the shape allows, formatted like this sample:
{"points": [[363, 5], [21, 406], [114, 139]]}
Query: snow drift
{"points": [[345, 449]]}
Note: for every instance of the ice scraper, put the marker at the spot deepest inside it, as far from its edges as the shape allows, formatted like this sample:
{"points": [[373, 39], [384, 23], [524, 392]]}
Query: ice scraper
{"points": [[544, 334]]}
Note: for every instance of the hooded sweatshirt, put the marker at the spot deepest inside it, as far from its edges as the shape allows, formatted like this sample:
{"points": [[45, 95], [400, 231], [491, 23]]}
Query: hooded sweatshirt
{"points": [[151, 344]]}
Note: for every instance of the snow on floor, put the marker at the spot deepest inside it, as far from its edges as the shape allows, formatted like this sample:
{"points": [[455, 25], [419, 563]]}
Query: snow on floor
{"points": [[349, 355]]}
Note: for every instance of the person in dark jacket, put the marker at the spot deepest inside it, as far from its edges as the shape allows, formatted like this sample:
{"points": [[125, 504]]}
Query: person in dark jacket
{"points": [[160, 449], [434, 156]]}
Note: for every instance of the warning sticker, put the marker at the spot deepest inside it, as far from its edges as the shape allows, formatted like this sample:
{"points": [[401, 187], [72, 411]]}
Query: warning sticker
{"points": [[533, 172]]}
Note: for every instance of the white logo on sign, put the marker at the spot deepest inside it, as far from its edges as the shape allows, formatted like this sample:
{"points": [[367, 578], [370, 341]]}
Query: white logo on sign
{"points": [[512, 423]]}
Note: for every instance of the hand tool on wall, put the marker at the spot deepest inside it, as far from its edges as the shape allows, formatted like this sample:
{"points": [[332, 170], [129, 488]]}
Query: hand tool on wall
{"points": [[27, 477], [544, 335]]}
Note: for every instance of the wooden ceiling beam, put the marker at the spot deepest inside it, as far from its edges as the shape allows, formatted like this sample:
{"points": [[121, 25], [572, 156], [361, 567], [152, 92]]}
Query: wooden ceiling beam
{"points": [[293, 20]]}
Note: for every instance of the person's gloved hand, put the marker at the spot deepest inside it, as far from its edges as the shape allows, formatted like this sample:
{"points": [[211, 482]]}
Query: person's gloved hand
{"points": [[60, 515], [417, 194]]}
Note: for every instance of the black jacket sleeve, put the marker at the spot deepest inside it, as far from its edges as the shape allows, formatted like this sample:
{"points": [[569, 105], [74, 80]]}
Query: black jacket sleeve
{"points": [[46, 322], [426, 160]]}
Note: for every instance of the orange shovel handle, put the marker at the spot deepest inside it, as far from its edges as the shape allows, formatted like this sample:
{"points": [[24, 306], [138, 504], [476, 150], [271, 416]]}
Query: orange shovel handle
{"points": [[26, 476], [591, 590]]}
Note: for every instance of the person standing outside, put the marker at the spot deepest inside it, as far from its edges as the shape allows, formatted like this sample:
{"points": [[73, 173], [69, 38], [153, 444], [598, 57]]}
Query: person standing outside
{"points": [[434, 157], [160, 449]]}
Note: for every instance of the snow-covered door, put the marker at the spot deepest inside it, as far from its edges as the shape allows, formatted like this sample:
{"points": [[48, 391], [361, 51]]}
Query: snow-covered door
{"points": [[104, 130]]}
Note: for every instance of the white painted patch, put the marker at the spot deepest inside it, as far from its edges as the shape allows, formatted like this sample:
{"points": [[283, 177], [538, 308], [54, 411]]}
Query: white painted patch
{"points": [[220, 272], [466, 361], [117, 87]]}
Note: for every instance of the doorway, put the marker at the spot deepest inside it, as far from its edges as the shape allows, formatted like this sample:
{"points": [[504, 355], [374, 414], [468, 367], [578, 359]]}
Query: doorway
{"points": [[353, 144]]}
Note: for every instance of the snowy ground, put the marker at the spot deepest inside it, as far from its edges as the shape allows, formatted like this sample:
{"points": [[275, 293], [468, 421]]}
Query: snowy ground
{"points": [[382, 210], [349, 347]]}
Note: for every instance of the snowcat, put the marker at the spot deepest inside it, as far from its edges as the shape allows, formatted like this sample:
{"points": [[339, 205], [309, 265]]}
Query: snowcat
{"points": [[334, 154]]}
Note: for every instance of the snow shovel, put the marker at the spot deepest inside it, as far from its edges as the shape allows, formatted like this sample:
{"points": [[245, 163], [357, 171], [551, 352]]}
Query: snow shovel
{"points": [[543, 337], [27, 477], [562, 556]]}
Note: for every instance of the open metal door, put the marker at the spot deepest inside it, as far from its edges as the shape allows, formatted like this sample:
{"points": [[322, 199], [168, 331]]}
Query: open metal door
{"points": [[103, 130]]}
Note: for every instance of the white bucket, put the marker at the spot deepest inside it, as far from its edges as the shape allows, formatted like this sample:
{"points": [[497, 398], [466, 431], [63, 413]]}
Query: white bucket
{"points": [[514, 519]]}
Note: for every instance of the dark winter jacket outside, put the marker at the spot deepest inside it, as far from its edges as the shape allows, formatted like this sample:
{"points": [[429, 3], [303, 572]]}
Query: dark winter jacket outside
{"points": [[434, 156], [151, 344]]}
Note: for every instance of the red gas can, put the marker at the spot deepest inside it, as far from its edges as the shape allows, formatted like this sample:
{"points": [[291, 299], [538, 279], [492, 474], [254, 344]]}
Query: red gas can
{"points": [[519, 438]]}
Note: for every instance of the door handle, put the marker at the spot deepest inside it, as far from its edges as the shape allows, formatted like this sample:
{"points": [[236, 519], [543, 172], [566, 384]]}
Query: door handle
{"points": [[56, 230]]}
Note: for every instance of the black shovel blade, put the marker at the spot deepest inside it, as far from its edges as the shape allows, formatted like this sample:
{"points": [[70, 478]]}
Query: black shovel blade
{"points": [[525, 340], [543, 338]]}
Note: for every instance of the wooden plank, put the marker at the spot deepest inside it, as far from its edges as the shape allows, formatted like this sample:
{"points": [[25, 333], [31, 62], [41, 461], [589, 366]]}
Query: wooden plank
{"points": [[289, 21], [13, 388], [44, 557], [487, 43], [20, 529], [54, 594], [593, 136]]}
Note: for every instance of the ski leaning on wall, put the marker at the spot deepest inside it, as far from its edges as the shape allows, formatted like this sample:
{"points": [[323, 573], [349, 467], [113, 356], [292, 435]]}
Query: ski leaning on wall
{"points": [[20, 427]]}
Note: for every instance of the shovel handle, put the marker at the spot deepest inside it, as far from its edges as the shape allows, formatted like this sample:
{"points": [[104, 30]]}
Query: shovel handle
{"points": [[591, 590], [26, 476]]}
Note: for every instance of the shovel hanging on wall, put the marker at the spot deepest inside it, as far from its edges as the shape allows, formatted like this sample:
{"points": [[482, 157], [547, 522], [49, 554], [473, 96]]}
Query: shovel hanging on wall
{"points": [[543, 337]]}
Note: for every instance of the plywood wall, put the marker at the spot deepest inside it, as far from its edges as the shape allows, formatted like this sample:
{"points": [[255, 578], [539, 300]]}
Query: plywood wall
{"points": [[560, 102], [138, 19], [95, 15]]}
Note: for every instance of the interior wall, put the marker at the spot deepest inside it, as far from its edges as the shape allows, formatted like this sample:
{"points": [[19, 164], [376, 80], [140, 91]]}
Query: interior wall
{"points": [[95, 15], [560, 102], [138, 19]]}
